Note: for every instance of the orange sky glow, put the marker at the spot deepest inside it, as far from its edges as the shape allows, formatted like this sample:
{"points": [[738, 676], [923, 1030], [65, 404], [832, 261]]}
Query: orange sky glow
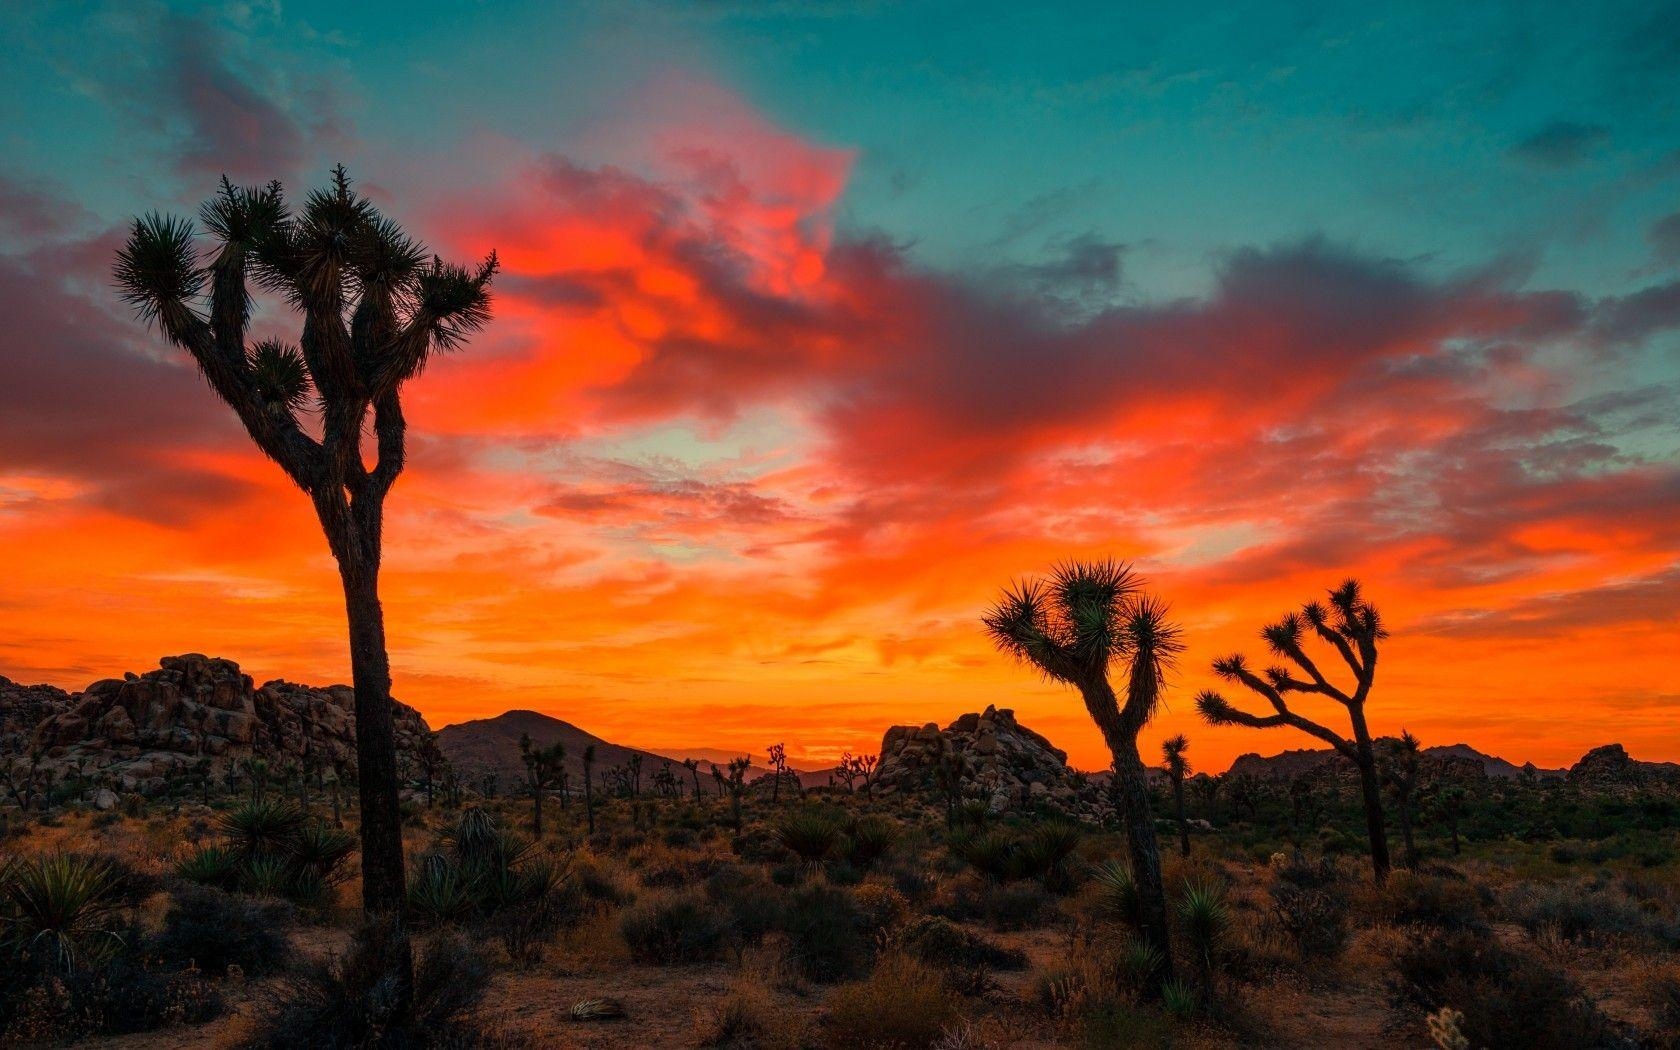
{"points": [[720, 476]]}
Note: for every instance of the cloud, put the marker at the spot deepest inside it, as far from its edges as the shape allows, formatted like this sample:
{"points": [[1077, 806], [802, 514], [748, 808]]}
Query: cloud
{"points": [[1561, 144], [1664, 239]]}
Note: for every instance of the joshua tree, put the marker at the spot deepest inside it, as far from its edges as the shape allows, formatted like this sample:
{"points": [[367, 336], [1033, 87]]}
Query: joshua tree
{"points": [[633, 775], [1178, 767], [375, 306], [1400, 760], [950, 773], [1350, 625], [543, 766], [778, 766], [733, 785], [432, 762], [1206, 790], [1448, 805], [588, 787], [693, 767], [1073, 627]]}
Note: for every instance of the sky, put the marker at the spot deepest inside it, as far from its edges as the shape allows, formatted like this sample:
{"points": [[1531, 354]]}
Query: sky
{"points": [[819, 323]]}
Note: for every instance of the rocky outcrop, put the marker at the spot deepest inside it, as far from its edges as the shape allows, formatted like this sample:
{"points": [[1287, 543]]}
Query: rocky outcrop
{"points": [[1611, 766], [1006, 765], [199, 712]]}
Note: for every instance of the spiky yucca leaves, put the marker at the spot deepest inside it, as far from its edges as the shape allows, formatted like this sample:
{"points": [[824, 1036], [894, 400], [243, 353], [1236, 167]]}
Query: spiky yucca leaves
{"points": [[1205, 918], [1351, 626], [810, 832], [1117, 896], [215, 866], [257, 830], [62, 906], [322, 850], [868, 840], [599, 1009], [1175, 760]]}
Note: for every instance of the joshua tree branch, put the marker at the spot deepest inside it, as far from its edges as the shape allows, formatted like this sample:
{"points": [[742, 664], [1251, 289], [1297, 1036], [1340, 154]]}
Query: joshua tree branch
{"points": [[1218, 711]]}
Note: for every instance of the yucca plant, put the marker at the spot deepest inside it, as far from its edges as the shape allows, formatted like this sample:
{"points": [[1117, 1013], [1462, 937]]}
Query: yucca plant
{"points": [[439, 891], [1180, 1000], [321, 850], [64, 906], [1117, 896], [268, 877], [210, 866], [990, 851], [1205, 918], [1046, 849], [810, 833], [257, 830], [1137, 962], [868, 840]]}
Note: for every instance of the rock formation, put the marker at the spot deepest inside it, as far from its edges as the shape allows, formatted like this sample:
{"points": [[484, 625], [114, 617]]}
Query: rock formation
{"points": [[141, 729], [1007, 765]]}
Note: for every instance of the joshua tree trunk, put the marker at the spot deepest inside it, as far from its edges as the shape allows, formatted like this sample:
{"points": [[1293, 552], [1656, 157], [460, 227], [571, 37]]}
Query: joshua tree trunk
{"points": [[383, 887], [1143, 851], [1370, 788]]}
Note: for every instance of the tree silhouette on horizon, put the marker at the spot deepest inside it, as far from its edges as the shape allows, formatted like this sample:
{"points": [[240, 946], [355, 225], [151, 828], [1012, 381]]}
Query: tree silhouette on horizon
{"points": [[1072, 627], [375, 307], [1353, 627]]}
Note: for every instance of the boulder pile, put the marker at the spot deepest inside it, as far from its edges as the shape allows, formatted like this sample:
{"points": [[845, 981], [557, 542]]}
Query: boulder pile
{"points": [[193, 712], [1004, 764]]}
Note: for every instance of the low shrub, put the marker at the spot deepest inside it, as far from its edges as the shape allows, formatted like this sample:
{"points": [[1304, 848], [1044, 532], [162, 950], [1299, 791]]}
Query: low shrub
{"points": [[748, 1017], [809, 832], [944, 943], [1314, 919], [904, 1003], [1510, 999], [347, 1005], [214, 930], [1429, 900], [673, 929], [828, 935], [1585, 914]]}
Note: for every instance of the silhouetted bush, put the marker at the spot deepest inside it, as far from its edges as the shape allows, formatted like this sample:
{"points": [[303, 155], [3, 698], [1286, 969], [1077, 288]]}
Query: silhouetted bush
{"points": [[943, 943], [1587, 914], [1510, 999], [346, 1004], [828, 935], [213, 930], [1430, 900], [904, 1003], [674, 929]]}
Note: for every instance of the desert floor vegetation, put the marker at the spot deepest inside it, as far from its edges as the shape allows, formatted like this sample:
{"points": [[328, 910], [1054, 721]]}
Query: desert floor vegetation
{"points": [[840, 920]]}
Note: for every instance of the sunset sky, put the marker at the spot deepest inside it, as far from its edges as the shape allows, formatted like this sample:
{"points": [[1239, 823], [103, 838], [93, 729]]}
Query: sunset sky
{"points": [[820, 322]]}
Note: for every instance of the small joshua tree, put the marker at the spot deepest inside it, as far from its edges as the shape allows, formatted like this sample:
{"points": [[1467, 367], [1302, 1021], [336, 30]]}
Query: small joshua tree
{"points": [[588, 786], [693, 767], [543, 766], [1173, 760], [1073, 627], [375, 307], [1352, 627], [778, 766], [1400, 761], [733, 785]]}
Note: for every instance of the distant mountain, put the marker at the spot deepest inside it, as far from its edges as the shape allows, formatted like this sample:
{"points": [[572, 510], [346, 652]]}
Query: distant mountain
{"points": [[491, 745], [1290, 764]]}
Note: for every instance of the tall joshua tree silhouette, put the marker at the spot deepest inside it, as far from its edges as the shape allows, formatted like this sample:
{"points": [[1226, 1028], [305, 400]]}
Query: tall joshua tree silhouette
{"points": [[1073, 626], [1175, 761], [1350, 625], [375, 307]]}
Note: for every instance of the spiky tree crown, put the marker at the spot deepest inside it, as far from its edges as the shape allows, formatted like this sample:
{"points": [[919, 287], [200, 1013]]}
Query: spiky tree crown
{"points": [[376, 306]]}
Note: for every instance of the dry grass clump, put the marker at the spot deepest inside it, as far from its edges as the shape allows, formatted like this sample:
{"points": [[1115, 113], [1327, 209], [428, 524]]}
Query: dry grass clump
{"points": [[750, 1016], [903, 1003]]}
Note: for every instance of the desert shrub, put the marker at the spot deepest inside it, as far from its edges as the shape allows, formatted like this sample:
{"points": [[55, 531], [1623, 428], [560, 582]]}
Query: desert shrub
{"points": [[439, 891], [674, 929], [750, 905], [904, 1003], [322, 850], [601, 882], [990, 851], [121, 996], [1411, 897], [1204, 919], [810, 832], [944, 943], [1510, 999], [883, 906], [1314, 919], [260, 829], [1022, 906], [1659, 992], [828, 936], [347, 1004], [748, 1017], [213, 930], [1045, 850], [1587, 914]]}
